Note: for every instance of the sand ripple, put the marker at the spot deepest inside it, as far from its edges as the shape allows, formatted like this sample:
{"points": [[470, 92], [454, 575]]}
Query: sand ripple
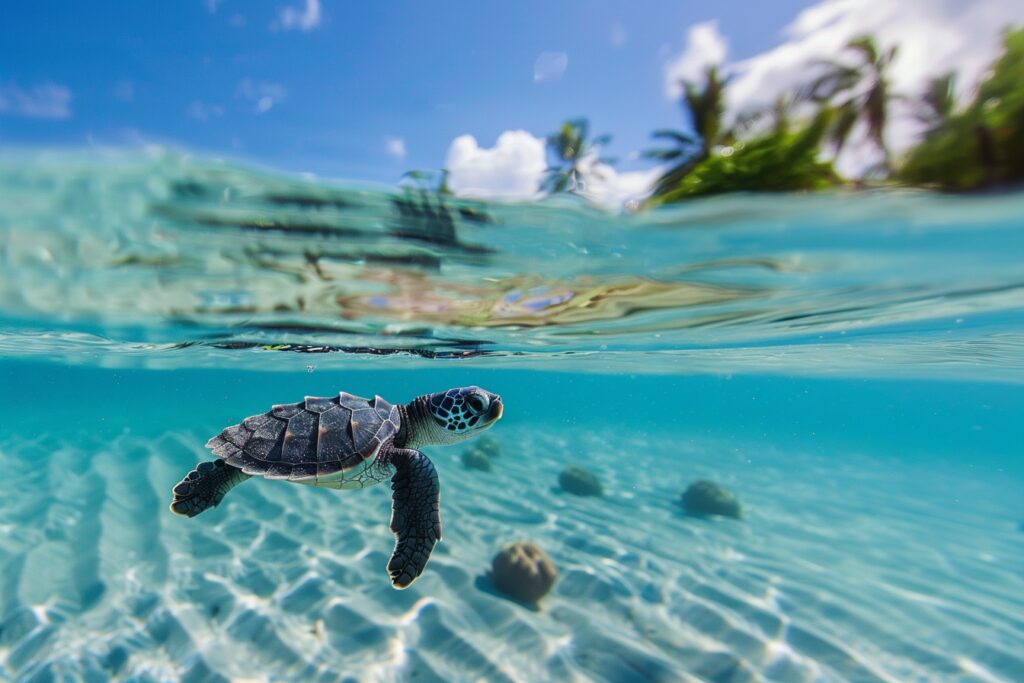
{"points": [[845, 569]]}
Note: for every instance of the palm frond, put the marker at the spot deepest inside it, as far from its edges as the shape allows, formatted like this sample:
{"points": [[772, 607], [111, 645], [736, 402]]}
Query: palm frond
{"points": [[679, 137], [866, 47], [938, 101], [845, 118], [662, 154], [827, 85]]}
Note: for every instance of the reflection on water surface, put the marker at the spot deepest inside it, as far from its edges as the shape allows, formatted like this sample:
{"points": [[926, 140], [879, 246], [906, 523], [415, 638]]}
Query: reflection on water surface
{"points": [[164, 249]]}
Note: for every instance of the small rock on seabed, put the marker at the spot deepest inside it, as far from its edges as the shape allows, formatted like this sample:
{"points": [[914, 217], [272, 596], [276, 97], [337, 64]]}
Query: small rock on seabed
{"points": [[703, 498], [489, 446], [580, 482], [474, 459], [523, 572]]}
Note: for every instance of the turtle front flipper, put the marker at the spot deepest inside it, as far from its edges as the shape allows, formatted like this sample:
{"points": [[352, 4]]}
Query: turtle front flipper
{"points": [[204, 487], [415, 515]]}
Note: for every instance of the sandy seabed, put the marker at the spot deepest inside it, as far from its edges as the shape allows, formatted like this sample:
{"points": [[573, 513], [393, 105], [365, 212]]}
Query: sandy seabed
{"points": [[853, 567]]}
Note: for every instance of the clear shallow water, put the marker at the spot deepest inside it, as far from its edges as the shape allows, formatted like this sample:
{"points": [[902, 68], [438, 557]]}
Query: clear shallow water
{"points": [[164, 259], [849, 365]]}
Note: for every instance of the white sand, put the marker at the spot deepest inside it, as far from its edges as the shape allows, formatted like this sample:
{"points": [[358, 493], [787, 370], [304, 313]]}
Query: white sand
{"points": [[846, 568]]}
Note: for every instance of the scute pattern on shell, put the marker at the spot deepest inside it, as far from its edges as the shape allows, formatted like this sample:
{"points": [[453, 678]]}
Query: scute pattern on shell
{"points": [[308, 440]]}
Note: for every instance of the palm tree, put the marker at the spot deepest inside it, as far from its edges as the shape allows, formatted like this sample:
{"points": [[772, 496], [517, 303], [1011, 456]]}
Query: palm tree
{"points": [[426, 181], [857, 92], [705, 106], [778, 116], [684, 146], [570, 148], [938, 101]]}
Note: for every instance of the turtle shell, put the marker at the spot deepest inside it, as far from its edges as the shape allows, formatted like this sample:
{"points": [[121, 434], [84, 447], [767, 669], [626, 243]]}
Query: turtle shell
{"points": [[318, 441]]}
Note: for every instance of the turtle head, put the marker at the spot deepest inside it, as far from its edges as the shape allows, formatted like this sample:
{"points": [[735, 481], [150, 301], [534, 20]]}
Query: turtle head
{"points": [[456, 414]]}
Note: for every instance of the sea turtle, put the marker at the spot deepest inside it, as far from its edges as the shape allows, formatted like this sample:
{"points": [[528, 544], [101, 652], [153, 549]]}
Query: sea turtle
{"points": [[348, 442]]}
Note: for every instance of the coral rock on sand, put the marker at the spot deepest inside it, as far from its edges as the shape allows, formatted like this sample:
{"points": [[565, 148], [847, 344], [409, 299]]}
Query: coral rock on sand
{"points": [[475, 459], [489, 446], [522, 571], [704, 497], [580, 482]]}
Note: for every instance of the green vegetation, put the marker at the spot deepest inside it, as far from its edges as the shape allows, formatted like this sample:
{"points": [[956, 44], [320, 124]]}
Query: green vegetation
{"points": [[788, 156], [720, 160], [983, 145], [938, 101], [792, 144], [858, 92], [777, 162], [705, 106]]}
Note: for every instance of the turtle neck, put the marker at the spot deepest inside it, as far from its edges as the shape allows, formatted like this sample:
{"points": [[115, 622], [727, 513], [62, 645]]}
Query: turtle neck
{"points": [[415, 415]]}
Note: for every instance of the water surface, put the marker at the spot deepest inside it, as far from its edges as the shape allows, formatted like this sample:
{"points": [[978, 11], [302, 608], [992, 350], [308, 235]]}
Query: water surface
{"points": [[850, 365]]}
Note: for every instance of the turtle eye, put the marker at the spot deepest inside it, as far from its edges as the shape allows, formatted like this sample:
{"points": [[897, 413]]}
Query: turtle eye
{"points": [[477, 402]]}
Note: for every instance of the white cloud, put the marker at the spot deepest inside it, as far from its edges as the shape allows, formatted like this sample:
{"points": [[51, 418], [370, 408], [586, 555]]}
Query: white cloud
{"points": [[515, 167], [395, 147], [305, 19], [934, 37], [618, 36], [42, 101], [604, 185], [550, 67], [262, 94], [201, 111], [212, 5], [705, 47], [512, 169]]}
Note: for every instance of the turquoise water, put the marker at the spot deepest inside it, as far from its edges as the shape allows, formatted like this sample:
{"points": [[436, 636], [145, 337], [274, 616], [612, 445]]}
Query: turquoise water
{"points": [[851, 366]]}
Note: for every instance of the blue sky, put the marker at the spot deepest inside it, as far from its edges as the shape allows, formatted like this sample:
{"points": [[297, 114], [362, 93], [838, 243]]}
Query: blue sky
{"points": [[367, 91], [229, 78]]}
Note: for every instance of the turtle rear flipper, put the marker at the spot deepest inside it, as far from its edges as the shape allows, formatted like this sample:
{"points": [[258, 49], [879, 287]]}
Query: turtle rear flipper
{"points": [[204, 487], [415, 515]]}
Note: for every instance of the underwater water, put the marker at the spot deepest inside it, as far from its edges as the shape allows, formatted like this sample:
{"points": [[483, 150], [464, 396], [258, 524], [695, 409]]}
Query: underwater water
{"points": [[850, 366]]}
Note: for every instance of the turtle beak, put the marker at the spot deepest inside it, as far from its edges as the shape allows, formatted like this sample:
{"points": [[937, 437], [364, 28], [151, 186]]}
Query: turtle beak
{"points": [[496, 409]]}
